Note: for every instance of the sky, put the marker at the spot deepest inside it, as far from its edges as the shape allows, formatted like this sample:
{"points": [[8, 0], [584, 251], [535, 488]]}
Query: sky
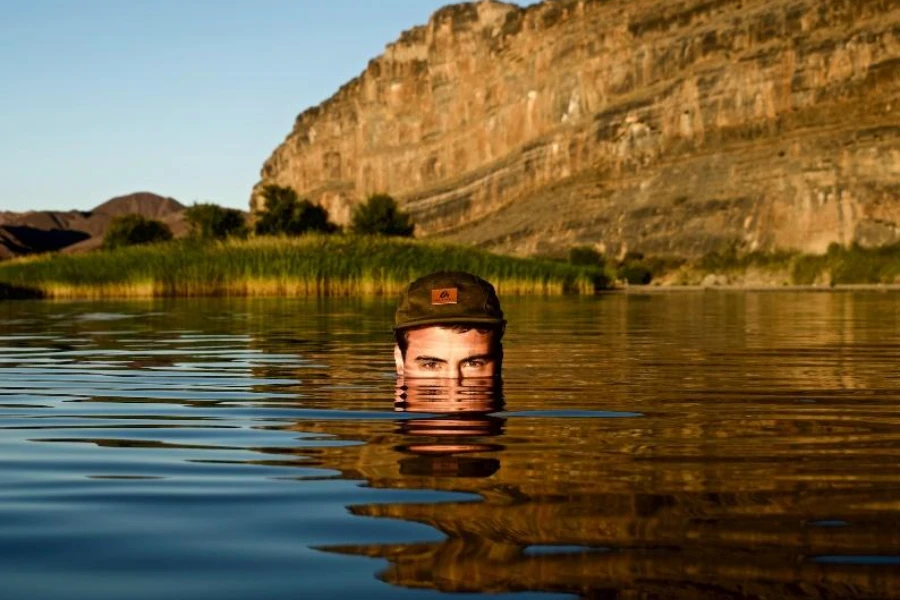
{"points": [[183, 98]]}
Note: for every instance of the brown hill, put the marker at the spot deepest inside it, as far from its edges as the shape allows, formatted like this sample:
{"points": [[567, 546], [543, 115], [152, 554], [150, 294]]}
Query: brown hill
{"points": [[77, 231], [149, 205], [650, 125]]}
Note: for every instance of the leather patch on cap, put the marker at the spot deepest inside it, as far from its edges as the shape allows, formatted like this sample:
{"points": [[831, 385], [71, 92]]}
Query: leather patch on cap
{"points": [[444, 296]]}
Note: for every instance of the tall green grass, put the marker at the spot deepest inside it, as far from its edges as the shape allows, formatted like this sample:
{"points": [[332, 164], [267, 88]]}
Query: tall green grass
{"points": [[838, 266], [309, 265]]}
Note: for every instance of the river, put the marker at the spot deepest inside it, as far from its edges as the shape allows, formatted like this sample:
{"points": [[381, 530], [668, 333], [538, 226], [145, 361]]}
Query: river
{"points": [[668, 445]]}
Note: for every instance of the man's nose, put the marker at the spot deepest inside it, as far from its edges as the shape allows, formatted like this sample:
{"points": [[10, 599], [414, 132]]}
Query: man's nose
{"points": [[455, 381]]}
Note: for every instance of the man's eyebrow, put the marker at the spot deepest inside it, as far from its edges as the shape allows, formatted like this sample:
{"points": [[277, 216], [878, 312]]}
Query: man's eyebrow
{"points": [[430, 359], [486, 356]]}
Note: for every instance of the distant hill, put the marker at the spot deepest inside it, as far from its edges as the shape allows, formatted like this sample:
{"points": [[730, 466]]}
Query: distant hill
{"points": [[147, 204], [78, 231]]}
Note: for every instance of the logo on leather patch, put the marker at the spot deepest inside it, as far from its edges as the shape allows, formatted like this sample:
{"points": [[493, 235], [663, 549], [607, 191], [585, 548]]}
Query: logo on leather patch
{"points": [[444, 296]]}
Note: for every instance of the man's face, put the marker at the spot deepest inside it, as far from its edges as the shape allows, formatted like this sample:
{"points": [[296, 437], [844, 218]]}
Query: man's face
{"points": [[448, 353]]}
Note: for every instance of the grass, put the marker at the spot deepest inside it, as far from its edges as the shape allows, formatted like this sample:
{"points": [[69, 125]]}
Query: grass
{"points": [[838, 266], [853, 265], [732, 260], [311, 265]]}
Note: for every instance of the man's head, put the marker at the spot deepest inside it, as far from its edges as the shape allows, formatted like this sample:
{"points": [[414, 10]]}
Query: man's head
{"points": [[449, 325]]}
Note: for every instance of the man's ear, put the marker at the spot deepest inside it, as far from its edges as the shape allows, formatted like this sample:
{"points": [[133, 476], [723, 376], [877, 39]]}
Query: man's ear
{"points": [[398, 360]]}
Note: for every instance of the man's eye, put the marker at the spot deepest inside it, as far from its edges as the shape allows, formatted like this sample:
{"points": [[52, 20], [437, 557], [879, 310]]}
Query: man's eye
{"points": [[475, 363], [430, 365]]}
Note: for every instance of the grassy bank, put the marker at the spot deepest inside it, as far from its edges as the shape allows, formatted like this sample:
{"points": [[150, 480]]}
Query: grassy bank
{"points": [[838, 266], [306, 266], [853, 265]]}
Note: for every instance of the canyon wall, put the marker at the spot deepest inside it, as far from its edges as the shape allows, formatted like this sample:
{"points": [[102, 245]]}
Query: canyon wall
{"points": [[660, 126]]}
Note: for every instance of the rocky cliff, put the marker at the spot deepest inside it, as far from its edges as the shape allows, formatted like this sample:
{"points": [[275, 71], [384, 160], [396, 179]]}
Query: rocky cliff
{"points": [[663, 126]]}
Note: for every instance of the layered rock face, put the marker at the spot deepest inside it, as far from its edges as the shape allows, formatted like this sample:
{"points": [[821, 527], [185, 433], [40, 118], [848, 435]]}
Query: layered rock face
{"points": [[661, 126]]}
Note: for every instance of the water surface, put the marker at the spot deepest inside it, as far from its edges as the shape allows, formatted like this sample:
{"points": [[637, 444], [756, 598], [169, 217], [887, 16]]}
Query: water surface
{"points": [[696, 445]]}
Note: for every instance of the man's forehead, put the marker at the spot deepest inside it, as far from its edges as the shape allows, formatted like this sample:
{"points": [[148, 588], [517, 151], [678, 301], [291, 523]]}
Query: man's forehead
{"points": [[447, 332]]}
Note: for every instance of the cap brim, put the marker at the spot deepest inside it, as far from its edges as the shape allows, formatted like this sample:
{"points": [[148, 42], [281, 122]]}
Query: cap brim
{"points": [[450, 321]]}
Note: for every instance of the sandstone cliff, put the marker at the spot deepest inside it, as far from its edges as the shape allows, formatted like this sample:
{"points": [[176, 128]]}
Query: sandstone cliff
{"points": [[664, 126]]}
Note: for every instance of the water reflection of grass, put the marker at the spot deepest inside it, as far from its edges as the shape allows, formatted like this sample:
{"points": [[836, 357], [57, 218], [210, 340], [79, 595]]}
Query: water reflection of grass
{"points": [[305, 266]]}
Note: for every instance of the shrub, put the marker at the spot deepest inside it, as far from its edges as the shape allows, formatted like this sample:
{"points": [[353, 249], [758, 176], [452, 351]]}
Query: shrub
{"points": [[211, 221], [285, 214], [380, 215], [635, 273], [808, 268], [848, 265], [586, 256], [861, 265], [722, 260], [133, 230]]}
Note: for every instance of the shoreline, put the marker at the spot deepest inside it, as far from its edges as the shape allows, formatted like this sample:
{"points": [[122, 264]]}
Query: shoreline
{"points": [[625, 290], [844, 287]]}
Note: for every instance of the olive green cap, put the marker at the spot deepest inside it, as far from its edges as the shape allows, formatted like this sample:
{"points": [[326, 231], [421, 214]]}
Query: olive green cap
{"points": [[448, 297]]}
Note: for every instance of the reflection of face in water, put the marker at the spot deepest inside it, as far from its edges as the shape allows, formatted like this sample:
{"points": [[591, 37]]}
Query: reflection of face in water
{"points": [[449, 352], [459, 418]]}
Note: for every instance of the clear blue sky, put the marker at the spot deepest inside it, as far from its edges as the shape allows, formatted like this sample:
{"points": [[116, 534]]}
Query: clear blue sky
{"points": [[185, 98]]}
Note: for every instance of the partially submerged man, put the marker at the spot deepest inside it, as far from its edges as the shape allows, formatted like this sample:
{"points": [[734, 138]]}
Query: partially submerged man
{"points": [[449, 326], [448, 330]]}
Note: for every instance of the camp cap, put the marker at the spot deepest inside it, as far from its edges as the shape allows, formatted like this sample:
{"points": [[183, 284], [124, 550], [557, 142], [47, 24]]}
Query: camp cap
{"points": [[448, 297]]}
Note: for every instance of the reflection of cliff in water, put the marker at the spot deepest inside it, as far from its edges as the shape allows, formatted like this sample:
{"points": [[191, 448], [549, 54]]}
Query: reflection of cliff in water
{"points": [[577, 505]]}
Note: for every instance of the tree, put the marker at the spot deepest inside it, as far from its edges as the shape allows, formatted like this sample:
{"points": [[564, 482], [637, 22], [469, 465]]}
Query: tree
{"points": [[211, 221], [379, 215], [133, 230], [285, 214]]}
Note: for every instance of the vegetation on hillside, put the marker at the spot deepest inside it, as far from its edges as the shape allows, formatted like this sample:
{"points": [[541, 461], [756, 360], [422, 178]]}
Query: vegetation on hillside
{"points": [[134, 230], [380, 215], [632, 269], [849, 265], [292, 252], [586, 256], [291, 266], [285, 214], [214, 222], [840, 265]]}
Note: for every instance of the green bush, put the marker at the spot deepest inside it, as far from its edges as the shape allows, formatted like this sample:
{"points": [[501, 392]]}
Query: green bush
{"points": [[586, 256], [807, 268], [849, 265], [380, 215], [285, 214], [865, 265], [635, 272], [718, 261], [134, 230], [214, 222]]}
